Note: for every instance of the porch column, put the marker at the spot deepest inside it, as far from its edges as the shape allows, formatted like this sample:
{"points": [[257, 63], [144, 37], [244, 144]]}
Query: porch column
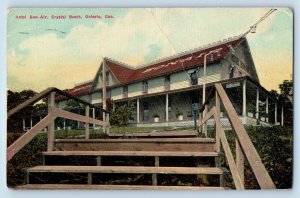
{"points": [[93, 112], [244, 99], [30, 122], [282, 114], [257, 103], [104, 93], [64, 123], [267, 109], [275, 113], [167, 109], [138, 110]]}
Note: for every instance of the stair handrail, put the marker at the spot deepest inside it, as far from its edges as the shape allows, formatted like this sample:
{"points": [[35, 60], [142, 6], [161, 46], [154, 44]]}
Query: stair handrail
{"points": [[48, 121], [244, 145], [46, 92]]}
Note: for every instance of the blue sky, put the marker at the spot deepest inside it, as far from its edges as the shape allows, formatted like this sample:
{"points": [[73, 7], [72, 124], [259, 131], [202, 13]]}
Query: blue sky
{"points": [[48, 52]]}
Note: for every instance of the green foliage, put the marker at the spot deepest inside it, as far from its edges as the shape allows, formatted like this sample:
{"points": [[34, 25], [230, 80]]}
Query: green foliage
{"points": [[274, 146], [178, 112], [155, 115], [121, 115]]}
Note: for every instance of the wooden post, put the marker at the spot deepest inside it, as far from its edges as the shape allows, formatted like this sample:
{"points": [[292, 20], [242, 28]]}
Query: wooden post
{"points": [[282, 114], [138, 110], [275, 113], [154, 176], [87, 125], [104, 91], [267, 109], [218, 146], [244, 99], [98, 159], [51, 106], [64, 123], [167, 107], [240, 160], [218, 140], [257, 103], [94, 118]]}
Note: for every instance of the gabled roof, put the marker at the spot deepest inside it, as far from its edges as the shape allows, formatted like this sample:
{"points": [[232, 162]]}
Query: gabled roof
{"points": [[125, 74]]}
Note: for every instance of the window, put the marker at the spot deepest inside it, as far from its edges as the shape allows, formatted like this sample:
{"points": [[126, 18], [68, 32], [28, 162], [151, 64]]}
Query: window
{"points": [[231, 70], [145, 111], [108, 93], [194, 78], [145, 86], [125, 91], [167, 83], [107, 78]]}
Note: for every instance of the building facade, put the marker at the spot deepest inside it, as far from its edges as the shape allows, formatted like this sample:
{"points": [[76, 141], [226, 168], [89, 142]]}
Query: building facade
{"points": [[168, 92]]}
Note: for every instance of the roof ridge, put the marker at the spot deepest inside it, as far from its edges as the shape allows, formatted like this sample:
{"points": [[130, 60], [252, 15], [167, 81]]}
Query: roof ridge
{"points": [[203, 47]]}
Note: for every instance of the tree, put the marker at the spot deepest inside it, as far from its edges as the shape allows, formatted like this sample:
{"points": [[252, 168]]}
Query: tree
{"points": [[122, 114]]}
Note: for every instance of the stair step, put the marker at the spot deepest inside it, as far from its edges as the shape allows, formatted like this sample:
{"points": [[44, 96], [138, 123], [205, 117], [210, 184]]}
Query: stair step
{"points": [[140, 140], [113, 187], [182, 133], [133, 153], [140, 144], [129, 169]]}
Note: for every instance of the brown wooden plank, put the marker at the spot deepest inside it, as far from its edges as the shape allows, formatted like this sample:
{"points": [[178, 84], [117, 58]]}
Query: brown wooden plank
{"points": [[87, 127], [128, 169], [207, 116], [133, 153], [233, 169], [73, 116], [140, 140], [112, 187], [156, 134], [50, 133], [247, 146], [29, 135], [135, 146]]}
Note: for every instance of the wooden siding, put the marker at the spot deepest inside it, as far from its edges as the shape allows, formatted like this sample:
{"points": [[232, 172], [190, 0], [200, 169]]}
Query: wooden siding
{"points": [[96, 98], [117, 93], [213, 74], [135, 89], [156, 85]]}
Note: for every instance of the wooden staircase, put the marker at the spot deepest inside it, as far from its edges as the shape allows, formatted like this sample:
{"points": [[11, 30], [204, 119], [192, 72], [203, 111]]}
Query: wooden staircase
{"points": [[149, 156], [104, 152]]}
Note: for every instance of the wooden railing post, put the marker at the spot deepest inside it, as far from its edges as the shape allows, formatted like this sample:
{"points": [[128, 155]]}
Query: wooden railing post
{"points": [[87, 125], [218, 140], [51, 106], [240, 160]]}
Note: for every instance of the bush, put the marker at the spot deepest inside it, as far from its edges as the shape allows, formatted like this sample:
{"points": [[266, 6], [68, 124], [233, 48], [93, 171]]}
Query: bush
{"points": [[275, 147]]}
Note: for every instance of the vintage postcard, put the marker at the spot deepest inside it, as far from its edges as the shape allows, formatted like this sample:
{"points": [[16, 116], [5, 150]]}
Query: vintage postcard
{"points": [[150, 98]]}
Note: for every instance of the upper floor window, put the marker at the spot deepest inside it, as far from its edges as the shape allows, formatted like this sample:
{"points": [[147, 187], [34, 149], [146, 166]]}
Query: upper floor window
{"points": [[194, 78], [145, 86], [107, 78], [167, 82], [125, 91], [108, 93]]}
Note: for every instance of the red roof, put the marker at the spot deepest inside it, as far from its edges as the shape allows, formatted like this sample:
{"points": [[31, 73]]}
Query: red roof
{"points": [[127, 75], [79, 90]]}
